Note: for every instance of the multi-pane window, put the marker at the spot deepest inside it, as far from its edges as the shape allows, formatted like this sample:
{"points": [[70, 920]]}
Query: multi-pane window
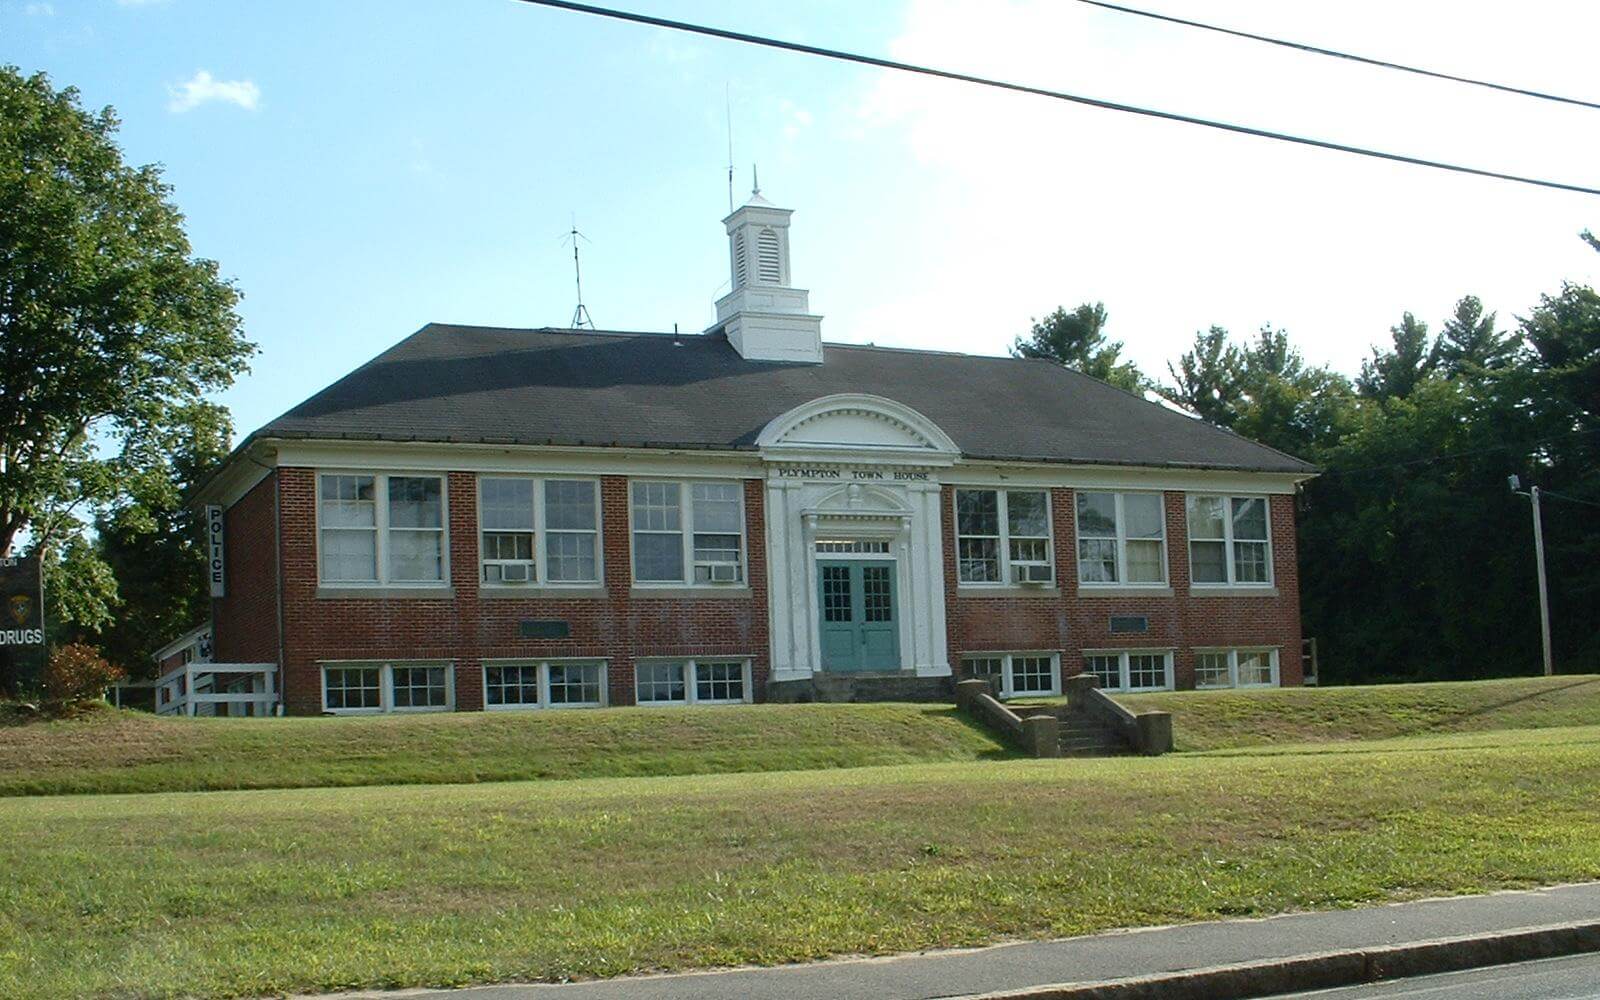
{"points": [[1003, 536], [1121, 539], [1018, 673], [853, 546], [387, 687], [517, 552], [719, 681], [420, 687], [660, 683], [1214, 668], [692, 682], [349, 520], [514, 685], [1130, 670], [1106, 668], [688, 532], [1229, 540], [574, 684], [544, 684], [381, 529], [352, 688]]}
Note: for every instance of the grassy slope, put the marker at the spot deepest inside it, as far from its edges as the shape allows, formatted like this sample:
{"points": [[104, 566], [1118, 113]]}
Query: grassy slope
{"points": [[265, 891], [1214, 720], [110, 751]]}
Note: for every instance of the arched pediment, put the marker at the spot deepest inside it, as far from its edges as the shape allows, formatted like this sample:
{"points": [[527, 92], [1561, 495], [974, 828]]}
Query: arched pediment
{"points": [[858, 498], [857, 424]]}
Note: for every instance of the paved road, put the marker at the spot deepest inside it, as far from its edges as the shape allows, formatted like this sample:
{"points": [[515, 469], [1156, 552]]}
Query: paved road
{"points": [[1084, 959], [1573, 978]]}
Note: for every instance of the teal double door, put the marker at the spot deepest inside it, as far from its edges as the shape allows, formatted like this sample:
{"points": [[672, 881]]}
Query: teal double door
{"points": [[857, 615]]}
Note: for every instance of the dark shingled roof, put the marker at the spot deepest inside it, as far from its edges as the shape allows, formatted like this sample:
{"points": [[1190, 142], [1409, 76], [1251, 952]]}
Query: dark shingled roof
{"points": [[488, 384]]}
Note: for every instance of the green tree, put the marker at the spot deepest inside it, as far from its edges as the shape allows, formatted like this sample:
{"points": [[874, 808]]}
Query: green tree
{"points": [[153, 544], [1263, 390], [110, 328], [1393, 373], [1469, 343], [1077, 340]]}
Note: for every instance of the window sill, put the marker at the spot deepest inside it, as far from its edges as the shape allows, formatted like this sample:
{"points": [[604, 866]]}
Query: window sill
{"points": [[501, 593], [1085, 590], [691, 593], [1006, 590], [385, 593], [1232, 590]]}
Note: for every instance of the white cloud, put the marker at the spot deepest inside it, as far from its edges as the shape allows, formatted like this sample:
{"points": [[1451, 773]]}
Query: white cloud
{"points": [[1176, 227], [40, 9], [203, 88], [795, 119]]}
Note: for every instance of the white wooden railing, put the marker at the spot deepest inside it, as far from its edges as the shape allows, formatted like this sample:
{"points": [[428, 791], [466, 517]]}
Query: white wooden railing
{"points": [[176, 694]]}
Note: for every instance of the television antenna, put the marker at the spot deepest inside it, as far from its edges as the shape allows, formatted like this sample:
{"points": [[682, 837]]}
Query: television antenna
{"points": [[580, 316]]}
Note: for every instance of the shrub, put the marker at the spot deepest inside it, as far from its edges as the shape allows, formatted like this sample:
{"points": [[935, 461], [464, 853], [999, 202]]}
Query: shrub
{"points": [[77, 672]]}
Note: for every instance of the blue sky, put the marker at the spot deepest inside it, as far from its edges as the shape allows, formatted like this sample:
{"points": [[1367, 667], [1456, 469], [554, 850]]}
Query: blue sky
{"points": [[362, 168]]}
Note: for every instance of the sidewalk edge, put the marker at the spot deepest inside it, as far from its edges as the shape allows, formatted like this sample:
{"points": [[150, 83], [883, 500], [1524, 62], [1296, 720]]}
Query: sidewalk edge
{"points": [[1326, 970]]}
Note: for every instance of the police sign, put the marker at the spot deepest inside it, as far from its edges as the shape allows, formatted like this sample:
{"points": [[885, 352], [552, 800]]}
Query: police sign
{"points": [[21, 602], [214, 565]]}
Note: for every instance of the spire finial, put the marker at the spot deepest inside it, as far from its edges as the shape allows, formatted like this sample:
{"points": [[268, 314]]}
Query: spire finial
{"points": [[755, 179]]}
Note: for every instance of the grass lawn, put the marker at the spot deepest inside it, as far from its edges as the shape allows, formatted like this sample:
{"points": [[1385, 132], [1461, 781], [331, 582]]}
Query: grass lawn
{"points": [[263, 891], [1213, 720], [125, 751]]}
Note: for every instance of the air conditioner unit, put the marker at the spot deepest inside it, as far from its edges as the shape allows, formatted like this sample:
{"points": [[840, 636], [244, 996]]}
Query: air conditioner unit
{"points": [[717, 572], [516, 572], [1037, 573]]}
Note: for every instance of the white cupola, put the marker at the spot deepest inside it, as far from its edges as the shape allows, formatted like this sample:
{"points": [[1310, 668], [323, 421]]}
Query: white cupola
{"points": [[766, 319]]}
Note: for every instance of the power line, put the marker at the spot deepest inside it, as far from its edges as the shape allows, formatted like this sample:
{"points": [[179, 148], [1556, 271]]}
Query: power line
{"points": [[1563, 496], [1317, 50], [1093, 102]]}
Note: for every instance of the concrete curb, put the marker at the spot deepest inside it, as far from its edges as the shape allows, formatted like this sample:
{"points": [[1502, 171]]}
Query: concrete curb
{"points": [[1327, 970]]}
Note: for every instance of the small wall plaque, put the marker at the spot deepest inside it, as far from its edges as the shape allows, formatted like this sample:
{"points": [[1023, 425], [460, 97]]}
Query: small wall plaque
{"points": [[543, 628], [1130, 624]]}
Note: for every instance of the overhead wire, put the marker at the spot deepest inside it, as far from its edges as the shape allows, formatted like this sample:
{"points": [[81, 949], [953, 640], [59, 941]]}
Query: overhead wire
{"points": [[1336, 54], [1021, 88]]}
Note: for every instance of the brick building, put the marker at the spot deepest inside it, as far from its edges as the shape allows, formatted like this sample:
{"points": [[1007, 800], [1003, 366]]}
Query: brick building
{"points": [[504, 518]]}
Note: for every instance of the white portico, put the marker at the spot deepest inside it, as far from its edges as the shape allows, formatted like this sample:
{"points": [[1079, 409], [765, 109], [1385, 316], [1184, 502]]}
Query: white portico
{"points": [[855, 562]]}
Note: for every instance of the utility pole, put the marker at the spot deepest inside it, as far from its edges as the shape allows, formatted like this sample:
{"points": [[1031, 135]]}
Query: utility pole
{"points": [[1538, 559], [1544, 596]]}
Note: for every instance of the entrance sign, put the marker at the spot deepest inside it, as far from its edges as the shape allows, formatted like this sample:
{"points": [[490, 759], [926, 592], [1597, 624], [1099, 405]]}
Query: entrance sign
{"points": [[21, 602], [860, 475], [214, 555]]}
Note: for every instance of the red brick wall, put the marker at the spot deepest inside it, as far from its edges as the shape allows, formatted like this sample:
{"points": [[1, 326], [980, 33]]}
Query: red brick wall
{"points": [[245, 618], [619, 627], [1071, 621]]}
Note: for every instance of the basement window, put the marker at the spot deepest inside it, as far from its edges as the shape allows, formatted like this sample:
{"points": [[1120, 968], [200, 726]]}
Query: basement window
{"points": [[692, 682], [1130, 670], [1226, 668], [1019, 674], [370, 688], [511, 684]]}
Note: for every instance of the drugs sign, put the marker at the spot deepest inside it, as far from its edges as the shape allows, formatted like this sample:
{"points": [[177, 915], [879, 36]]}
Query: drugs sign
{"points": [[21, 602]]}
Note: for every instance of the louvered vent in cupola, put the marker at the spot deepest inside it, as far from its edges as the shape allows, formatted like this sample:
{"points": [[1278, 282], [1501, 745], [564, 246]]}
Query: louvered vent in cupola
{"points": [[763, 317], [769, 266]]}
